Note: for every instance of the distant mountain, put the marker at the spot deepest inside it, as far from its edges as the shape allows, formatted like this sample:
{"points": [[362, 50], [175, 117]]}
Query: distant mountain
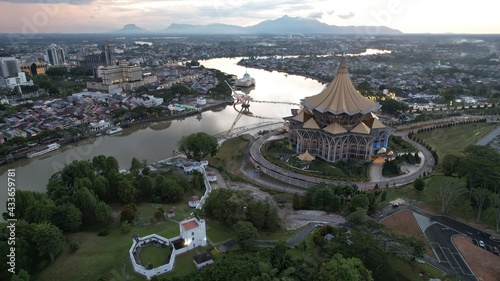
{"points": [[132, 28], [283, 25], [216, 28]]}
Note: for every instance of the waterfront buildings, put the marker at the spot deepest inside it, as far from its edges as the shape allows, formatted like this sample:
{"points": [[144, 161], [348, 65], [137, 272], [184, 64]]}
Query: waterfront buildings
{"points": [[124, 76], [338, 123]]}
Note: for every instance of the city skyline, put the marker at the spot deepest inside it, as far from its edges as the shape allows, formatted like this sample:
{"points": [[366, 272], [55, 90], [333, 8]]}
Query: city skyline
{"points": [[96, 16]]}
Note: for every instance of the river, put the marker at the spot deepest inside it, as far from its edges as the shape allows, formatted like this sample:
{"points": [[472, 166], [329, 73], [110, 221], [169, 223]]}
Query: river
{"points": [[156, 141]]}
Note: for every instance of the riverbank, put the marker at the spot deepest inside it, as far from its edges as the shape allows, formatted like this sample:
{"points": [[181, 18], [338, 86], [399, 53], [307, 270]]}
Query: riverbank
{"points": [[210, 105]]}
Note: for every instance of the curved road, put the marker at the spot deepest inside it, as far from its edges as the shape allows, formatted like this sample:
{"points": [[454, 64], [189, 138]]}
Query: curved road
{"points": [[304, 181]]}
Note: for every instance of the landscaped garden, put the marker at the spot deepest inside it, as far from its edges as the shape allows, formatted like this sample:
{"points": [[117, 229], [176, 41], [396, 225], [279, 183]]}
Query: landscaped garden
{"points": [[453, 140], [279, 153]]}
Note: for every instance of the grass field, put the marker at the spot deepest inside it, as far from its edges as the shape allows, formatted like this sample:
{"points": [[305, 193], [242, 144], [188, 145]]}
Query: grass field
{"points": [[429, 200], [454, 139], [230, 154], [155, 256]]}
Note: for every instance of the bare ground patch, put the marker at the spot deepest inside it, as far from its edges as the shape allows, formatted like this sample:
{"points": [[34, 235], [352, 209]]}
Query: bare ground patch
{"points": [[485, 264], [404, 223]]}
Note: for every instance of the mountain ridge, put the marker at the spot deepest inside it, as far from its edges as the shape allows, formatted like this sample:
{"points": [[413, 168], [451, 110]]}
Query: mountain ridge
{"points": [[283, 25]]}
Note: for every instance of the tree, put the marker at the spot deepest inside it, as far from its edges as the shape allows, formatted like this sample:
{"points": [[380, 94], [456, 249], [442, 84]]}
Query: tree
{"points": [[359, 201], [496, 203], [103, 213], [198, 145], [245, 233], [135, 167], [345, 269], [128, 213], [67, 217], [126, 191], [480, 194], [48, 239], [449, 192], [145, 186], [419, 184], [450, 164], [22, 275], [383, 197]]}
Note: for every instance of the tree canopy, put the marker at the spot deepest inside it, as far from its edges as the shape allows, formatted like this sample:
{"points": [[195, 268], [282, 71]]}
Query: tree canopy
{"points": [[198, 145]]}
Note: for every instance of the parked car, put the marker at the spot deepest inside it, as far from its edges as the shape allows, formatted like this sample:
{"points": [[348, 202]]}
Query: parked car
{"points": [[318, 225], [494, 250], [395, 205], [481, 243]]}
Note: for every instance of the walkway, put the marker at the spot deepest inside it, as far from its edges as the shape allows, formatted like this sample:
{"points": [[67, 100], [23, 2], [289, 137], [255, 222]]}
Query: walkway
{"points": [[304, 181], [489, 137]]}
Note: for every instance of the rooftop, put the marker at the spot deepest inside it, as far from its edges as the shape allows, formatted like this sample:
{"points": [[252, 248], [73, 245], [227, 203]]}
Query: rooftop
{"points": [[340, 96], [190, 224]]}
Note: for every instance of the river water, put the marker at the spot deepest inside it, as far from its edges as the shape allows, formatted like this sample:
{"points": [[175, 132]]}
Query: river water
{"points": [[156, 141]]}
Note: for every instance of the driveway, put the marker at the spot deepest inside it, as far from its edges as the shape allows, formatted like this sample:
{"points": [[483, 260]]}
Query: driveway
{"points": [[440, 231]]}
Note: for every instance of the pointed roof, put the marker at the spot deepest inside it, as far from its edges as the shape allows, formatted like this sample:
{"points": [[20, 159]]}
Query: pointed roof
{"points": [[301, 117], [306, 156], [310, 124], [340, 96], [374, 123], [335, 129], [361, 128]]}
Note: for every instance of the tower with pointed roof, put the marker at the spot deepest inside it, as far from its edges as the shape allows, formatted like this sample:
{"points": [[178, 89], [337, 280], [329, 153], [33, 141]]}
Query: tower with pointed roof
{"points": [[338, 123]]}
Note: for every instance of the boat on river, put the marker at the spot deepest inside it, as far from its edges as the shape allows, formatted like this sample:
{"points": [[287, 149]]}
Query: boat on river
{"points": [[47, 149], [114, 130]]}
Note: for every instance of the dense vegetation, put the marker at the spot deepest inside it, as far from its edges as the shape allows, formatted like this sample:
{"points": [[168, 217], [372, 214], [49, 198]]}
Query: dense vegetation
{"points": [[78, 198]]}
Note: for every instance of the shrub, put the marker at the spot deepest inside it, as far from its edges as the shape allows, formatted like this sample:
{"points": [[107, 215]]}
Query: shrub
{"points": [[125, 227], [102, 233], [73, 246]]}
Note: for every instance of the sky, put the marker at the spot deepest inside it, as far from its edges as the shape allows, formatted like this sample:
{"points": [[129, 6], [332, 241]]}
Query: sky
{"points": [[408, 16]]}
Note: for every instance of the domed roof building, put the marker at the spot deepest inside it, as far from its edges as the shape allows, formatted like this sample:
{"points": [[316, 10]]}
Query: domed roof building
{"points": [[338, 123]]}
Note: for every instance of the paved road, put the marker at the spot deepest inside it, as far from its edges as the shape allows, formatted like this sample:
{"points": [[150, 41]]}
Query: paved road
{"points": [[440, 233], [304, 181], [489, 137]]}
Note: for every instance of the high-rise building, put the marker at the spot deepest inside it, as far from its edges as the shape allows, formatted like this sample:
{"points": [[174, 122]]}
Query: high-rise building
{"points": [[107, 55], [55, 55], [11, 74], [9, 67]]}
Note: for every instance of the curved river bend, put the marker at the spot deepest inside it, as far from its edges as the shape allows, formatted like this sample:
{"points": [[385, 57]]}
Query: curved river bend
{"points": [[156, 141]]}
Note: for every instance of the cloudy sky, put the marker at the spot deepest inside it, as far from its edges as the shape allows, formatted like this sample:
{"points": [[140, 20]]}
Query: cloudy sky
{"points": [[409, 16]]}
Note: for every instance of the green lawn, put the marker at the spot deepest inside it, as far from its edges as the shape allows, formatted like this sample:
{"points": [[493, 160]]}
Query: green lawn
{"points": [[454, 139], [218, 232], [155, 256], [230, 154], [280, 235], [104, 255], [428, 198]]}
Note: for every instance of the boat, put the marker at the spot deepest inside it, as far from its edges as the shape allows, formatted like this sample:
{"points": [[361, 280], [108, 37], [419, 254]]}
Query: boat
{"points": [[246, 81], [47, 149], [32, 143], [114, 130]]}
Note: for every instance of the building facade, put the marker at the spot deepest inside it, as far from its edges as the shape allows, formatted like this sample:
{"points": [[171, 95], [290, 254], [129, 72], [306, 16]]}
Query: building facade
{"points": [[34, 68], [11, 74], [338, 123], [55, 55]]}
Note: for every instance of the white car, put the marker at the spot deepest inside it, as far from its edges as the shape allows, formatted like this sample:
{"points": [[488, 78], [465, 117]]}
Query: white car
{"points": [[481, 243]]}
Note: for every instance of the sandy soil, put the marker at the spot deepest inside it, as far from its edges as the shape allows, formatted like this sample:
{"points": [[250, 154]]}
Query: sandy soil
{"points": [[485, 264], [405, 223]]}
